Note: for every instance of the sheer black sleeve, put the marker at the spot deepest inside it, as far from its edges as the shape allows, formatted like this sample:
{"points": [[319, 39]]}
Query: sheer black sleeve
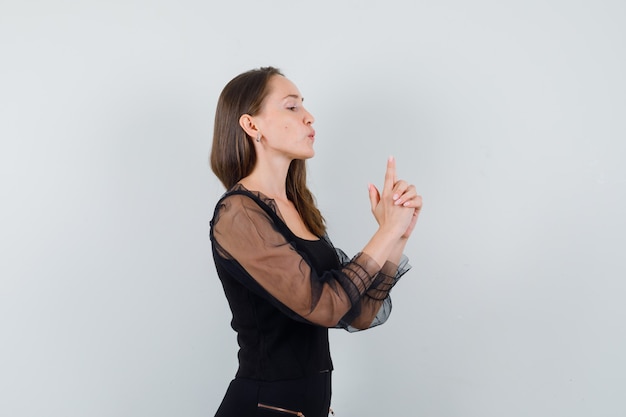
{"points": [[374, 307], [248, 243]]}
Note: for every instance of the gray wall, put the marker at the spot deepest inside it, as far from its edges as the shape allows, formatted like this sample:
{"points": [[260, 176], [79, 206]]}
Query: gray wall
{"points": [[508, 116]]}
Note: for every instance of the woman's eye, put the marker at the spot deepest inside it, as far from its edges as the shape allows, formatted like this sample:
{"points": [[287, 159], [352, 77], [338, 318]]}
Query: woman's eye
{"points": [[292, 108]]}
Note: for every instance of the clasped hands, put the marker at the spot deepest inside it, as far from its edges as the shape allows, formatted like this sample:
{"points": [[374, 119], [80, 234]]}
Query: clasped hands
{"points": [[399, 205]]}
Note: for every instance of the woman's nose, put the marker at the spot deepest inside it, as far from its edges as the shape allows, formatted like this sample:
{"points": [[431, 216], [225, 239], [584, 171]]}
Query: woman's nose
{"points": [[308, 118]]}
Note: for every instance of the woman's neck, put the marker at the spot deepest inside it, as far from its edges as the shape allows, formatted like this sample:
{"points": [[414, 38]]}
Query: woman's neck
{"points": [[270, 179]]}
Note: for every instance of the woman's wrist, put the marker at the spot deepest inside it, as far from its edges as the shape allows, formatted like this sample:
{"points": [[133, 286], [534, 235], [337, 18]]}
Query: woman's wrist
{"points": [[396, 252]]}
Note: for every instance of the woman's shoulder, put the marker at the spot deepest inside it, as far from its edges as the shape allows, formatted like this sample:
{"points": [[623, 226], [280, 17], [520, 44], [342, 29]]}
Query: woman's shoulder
{"points": [[239, 200], [239, 211], [240, 196]]}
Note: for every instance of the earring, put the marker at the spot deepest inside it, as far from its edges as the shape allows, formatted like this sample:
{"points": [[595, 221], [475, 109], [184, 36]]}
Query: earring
{"points": [[258, 137]]}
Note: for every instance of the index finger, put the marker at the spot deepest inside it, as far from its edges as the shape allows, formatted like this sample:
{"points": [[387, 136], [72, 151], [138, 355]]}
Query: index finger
{"points": [[390, 173]]}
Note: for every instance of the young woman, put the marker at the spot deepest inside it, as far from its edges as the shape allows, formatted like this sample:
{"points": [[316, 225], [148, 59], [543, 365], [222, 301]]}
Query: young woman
{"points": [[284, 281]]}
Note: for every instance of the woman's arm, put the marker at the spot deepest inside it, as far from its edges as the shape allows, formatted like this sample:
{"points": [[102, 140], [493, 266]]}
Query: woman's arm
{"points": [[248, 244], [375, 306]]}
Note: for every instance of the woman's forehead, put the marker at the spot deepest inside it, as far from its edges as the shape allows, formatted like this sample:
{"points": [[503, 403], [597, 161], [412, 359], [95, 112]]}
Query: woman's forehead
{"points": [[281, 87]]}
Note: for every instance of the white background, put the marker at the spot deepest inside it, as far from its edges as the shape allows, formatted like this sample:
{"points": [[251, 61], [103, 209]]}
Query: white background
{"points": [[509, 116]]}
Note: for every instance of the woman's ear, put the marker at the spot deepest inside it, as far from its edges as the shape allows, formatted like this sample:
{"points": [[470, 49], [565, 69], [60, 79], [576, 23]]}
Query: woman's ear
{"points": [[247, 124]]}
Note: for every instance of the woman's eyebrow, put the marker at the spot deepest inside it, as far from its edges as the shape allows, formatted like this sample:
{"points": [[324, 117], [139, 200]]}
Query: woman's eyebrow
{"points": [[293, 96]]}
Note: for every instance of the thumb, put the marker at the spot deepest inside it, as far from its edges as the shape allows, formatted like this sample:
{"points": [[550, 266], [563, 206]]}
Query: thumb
{"points": [[374, 195]]}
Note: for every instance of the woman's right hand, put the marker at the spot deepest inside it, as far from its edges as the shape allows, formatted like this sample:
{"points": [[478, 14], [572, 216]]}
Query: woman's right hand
{"points": [[395, 215]]}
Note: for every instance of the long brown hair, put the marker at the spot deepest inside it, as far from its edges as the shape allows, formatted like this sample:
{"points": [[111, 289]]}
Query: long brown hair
{"points": [[233, 156]]}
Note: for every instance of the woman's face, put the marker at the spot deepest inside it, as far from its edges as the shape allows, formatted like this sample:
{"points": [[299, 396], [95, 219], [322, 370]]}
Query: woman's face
{"points": [[284, 123]]}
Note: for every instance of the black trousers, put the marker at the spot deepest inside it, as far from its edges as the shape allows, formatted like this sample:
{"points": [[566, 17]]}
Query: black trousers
{"points": [[309, 396]]}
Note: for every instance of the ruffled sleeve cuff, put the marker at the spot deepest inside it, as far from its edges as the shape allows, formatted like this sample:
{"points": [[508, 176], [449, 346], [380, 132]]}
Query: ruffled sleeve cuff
{"points": [[374, 308], [387, 278]]}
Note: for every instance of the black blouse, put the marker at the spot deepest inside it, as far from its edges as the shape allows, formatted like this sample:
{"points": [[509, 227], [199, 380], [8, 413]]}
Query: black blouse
{"points": [[285, 292]]}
